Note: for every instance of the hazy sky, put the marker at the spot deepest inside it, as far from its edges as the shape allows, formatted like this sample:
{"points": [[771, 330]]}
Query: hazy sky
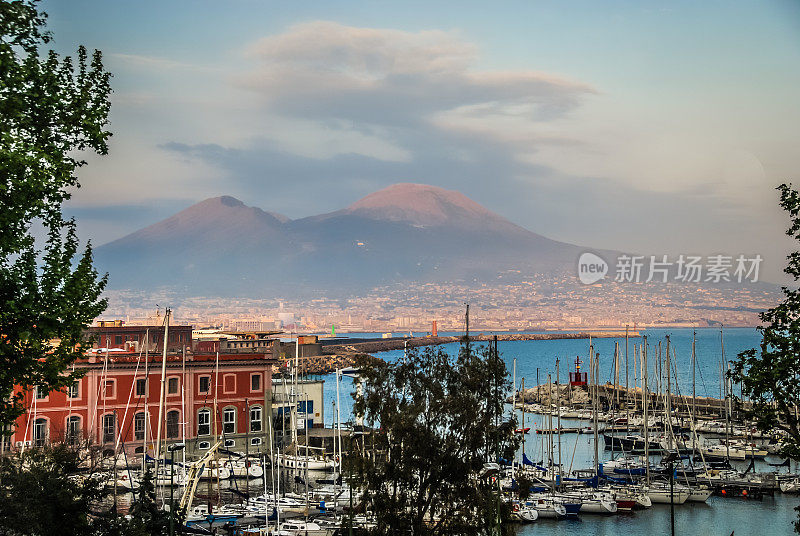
{"points": [[659, 127]]}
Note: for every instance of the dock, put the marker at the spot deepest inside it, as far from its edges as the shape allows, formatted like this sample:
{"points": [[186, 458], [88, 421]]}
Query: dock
{"points": [[370, 346]]}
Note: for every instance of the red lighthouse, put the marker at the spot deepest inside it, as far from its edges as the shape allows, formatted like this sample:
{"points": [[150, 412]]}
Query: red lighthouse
{"points": [[578, 377]]}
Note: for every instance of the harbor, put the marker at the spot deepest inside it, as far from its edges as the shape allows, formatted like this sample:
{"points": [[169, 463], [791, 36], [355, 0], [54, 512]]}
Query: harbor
{"points": [[585, 454]]}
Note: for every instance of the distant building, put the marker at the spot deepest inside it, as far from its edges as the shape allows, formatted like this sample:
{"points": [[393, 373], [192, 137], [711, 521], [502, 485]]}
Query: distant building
{"points": [[305, 399], [254, 325], [238, 343], [114, 334]]}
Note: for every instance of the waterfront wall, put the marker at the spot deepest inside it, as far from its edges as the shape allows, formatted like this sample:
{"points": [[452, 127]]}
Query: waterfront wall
{"points": [[385, 345]]}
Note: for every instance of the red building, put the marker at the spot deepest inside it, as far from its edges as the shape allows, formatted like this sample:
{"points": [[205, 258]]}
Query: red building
{"points": [[115, 334], [116, 403]]}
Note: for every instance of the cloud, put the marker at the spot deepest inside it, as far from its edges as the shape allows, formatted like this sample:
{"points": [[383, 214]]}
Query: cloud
{"points": [[157, 63], [310, 119], [392, 78]]}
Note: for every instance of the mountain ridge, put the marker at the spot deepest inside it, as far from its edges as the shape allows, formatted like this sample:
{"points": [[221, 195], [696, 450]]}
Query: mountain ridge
{"points": [[405, 232]]}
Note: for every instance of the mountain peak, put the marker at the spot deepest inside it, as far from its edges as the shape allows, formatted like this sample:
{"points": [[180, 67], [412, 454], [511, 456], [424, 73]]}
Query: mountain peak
{"points": [[227, 200], [226, 205], [424, 205]]}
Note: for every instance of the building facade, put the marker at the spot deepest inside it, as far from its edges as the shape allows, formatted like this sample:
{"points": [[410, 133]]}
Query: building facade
{"points": [[115, 405], [114, 334]]}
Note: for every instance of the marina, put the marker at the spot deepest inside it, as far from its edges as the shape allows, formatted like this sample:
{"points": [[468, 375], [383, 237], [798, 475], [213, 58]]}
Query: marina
{"points": [[580, 452]]}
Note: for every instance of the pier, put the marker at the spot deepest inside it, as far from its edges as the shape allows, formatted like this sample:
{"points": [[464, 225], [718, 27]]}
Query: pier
{"points": [[369, 346], [611, 396]]}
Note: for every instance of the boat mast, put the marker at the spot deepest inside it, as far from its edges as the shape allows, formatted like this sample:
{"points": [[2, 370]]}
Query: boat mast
{"points": [[522, 461], [272, 465], [615, 413], [722, 365], [222, 430], [627, 392], [558, 391], [616, 375], [466, 327], [514, 384], [550, 435], [305, 433], [339, 423], [694, 390], [668, 399], [596, 412], [643, 356], [183, 408], [162, 389], [146, 398]]}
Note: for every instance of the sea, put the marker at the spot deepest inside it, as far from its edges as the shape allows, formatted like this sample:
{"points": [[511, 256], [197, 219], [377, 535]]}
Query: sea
{"points": [[532, 359]]}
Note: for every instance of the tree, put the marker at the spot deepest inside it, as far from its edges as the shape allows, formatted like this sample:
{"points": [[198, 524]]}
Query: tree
{"points": [[434, 422], [51, 109], [38, 494], [146, 516], [769, 377], [42, 491]]}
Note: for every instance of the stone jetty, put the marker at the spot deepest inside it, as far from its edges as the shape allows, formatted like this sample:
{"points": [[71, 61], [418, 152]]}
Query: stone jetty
{"points": [[398, 343], [609, 394]]}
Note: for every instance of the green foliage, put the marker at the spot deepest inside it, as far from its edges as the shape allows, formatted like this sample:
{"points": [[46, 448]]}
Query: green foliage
{"points": [[37, 494], [769, 376], [43, 491], [436, 420], [147, 517], [51, 108]]}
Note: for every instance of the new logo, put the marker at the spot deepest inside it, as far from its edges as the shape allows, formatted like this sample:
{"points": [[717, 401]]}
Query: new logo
{"points": [[591, 268]]}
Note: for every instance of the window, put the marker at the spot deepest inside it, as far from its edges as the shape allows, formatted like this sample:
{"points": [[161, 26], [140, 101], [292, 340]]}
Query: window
{"points": [[73, 391], [229, 420], [204, 422], [110, 390], [109, 427], [172, 386], [229, 383], [230, 443], [138, 426], [117, 339], [305, 406], [205, 384], [73, 430], [39, 392], [255, 418], [255, 441], [255, 382], [172, 423], [138, 450], [141, 386], [40, 432], [204, 445]]}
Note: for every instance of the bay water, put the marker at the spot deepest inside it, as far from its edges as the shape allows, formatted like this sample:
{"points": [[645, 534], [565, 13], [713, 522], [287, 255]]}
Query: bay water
{"points": [[719, 516]]}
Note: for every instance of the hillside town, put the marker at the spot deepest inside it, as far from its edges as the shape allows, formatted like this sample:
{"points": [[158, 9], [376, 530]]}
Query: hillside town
{"points": [[540, 302]]}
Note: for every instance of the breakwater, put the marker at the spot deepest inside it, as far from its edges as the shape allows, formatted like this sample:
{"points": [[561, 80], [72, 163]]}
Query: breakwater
{"points": [[322, 364], [619, 396], [398, 343]]}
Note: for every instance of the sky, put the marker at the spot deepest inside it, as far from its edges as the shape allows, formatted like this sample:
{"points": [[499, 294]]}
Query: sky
{"points": [[654, 127]]}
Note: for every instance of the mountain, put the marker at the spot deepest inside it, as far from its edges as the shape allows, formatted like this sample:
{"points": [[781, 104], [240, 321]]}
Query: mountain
{"points": [[423, 205], [406, 232]]}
